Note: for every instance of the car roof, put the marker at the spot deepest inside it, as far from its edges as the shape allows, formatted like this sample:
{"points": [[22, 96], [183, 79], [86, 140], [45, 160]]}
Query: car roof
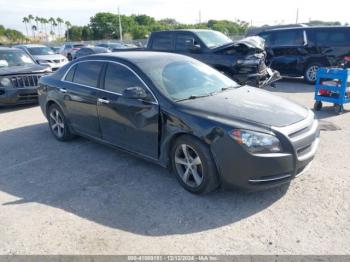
{"points": [[31, 45], [139, 57], [185, 30], [3, 48], [304, 28]]}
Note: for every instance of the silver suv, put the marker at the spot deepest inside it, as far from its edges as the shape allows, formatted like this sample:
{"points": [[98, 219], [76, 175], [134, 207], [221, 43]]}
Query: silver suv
{"points": [[68, 50]]}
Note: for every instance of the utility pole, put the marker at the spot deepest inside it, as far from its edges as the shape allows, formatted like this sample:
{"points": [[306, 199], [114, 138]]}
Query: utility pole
{"points": [[120, 26], [297, 17]]}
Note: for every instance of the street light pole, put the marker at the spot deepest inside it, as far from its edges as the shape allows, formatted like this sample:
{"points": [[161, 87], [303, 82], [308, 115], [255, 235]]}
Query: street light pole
{"points": [[120, 27], [297, 17]]}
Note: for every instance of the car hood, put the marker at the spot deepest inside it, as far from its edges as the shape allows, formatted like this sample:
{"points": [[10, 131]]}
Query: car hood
{"points": [[248, 104], [252, 42], [48, 57], [25, 69]]}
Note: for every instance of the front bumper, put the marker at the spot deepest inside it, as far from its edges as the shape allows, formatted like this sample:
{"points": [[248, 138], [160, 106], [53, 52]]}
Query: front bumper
{"points": [[18, 96], [55, 66], [262, 171], [261, 79]]}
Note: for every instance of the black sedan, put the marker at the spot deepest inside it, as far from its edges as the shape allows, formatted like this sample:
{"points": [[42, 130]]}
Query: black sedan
{"points": [[183, 114], [90, 50]]}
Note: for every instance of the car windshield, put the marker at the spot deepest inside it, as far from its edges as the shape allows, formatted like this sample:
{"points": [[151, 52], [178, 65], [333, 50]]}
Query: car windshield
{"points": [[182, 80], [10, 58], [213, 38], [40, 50]]}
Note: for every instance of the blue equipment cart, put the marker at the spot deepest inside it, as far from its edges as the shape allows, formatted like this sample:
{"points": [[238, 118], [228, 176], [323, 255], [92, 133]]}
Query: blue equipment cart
{"points": [[332, 86]]}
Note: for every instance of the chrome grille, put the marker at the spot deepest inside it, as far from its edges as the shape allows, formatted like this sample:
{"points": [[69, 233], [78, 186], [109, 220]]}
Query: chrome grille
{"points": [[23, 81]]}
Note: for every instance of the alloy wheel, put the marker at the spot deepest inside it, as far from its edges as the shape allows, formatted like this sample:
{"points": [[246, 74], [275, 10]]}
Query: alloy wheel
{"points": [[189, 165], [57, 123], [311, 73]]}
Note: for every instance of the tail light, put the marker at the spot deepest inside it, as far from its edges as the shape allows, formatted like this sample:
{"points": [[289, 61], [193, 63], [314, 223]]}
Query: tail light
{"points": [[347, 58]]}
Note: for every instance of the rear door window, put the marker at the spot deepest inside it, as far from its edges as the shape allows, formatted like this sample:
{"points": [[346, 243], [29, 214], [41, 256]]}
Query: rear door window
{"points": [[330, 37], [162, 42], [288, 38], [87, 73], [182, 39], [267, 37], [70, 74], [119, 77]]}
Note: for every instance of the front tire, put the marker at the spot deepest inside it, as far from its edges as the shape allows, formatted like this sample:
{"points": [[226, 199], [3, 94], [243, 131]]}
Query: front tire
{"points": [[310, 73], [58, 124], [193, 165]]}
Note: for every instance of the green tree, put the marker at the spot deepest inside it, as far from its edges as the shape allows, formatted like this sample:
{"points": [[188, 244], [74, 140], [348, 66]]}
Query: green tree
{"points": [[86, 33], [68, 25], [104, 26]]}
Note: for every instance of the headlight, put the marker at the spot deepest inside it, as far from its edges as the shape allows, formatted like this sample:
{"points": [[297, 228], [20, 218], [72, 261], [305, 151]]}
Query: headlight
{"points": [[5, 82], [256, 142], [42, 62]]}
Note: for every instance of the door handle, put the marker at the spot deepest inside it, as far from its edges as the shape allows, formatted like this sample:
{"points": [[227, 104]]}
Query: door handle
{"points": [[63, 90], [103, 101]]}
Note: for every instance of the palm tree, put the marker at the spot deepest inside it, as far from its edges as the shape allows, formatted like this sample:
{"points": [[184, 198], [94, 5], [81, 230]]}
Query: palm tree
{"points": [[37, 21], [45, 22], [26, 22], [59, 22], [34, 29], [52, 21], [31, 18], [68, 25]]}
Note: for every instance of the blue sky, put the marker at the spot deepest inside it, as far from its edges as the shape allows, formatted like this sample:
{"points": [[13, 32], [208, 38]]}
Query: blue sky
{"points": [[260, 12]]}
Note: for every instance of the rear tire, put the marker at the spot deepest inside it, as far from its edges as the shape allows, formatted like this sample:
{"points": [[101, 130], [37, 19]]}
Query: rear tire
{"points": [[310, 75], [339, 109], [58, 124], [193, 165], [318, 105], [69, 56]]}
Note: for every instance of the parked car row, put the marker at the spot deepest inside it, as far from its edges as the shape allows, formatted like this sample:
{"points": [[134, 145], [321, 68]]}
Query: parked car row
{"points": [[44, 55], [243, 61], [70, 50], [184, 102]]}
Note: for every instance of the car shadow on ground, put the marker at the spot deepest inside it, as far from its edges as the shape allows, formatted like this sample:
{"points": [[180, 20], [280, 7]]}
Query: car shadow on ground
{"points": [[292, 85], [113, 188], [13, 108]]}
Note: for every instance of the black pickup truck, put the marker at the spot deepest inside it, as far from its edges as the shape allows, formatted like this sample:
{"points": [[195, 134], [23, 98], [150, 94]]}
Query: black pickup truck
{"points": [[243, 61]]}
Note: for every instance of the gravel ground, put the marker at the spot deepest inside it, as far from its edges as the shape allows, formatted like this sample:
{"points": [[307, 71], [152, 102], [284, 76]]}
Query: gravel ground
{"points": [[84, 198]]}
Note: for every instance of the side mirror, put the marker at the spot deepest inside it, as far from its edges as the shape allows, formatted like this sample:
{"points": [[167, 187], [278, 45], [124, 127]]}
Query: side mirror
{"points": [[191, 46], [135, 92]]}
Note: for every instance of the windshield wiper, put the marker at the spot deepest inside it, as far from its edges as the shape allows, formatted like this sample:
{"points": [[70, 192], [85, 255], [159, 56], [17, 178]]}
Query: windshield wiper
{"points": [[193, 97], [229, 87]]}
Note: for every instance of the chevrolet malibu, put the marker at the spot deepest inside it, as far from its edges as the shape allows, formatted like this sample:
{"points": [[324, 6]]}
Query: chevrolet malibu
{"points": [[181, 114]]}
